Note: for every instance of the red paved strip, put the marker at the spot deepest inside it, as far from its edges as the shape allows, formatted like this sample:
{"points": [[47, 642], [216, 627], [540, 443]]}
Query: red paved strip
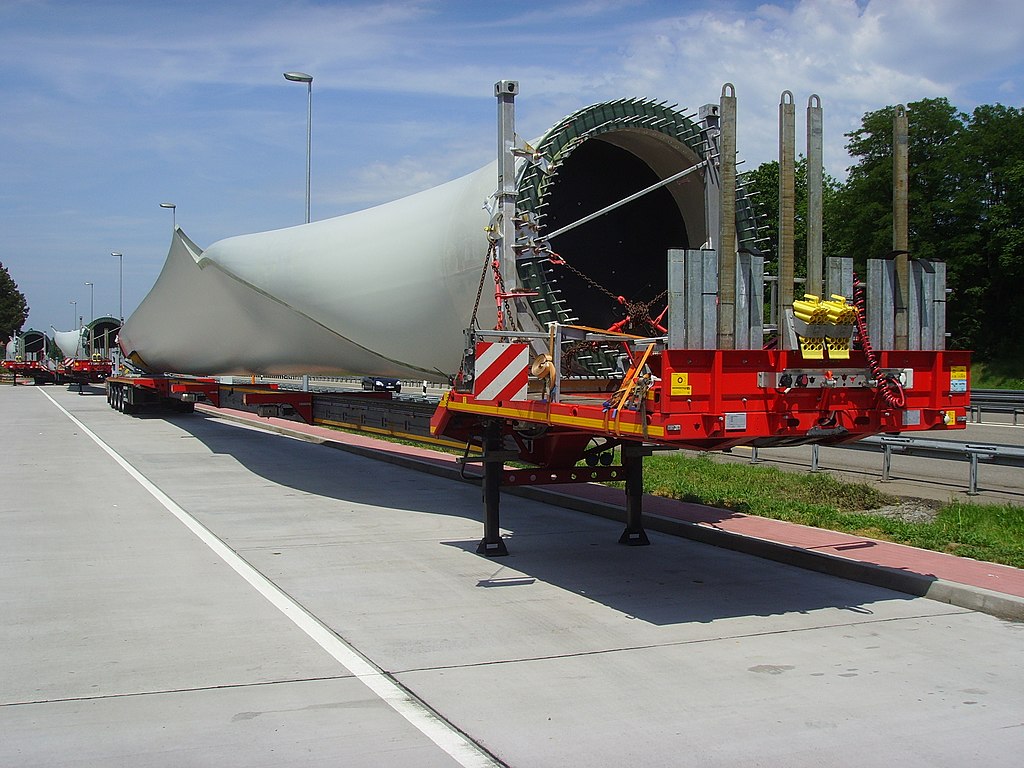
{"points": [[998, 578]]}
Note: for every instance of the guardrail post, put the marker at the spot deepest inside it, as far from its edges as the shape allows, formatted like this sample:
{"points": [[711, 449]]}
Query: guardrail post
{"points": [[973, 481], [886, 461], [814, 457]]}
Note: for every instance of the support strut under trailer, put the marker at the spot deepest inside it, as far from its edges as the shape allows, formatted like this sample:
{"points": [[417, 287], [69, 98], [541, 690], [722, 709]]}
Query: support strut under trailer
{"points": [[494, 475]]}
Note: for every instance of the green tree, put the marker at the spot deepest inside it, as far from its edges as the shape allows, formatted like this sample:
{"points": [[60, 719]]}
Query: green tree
{"points": [[994, 157], [13, 309], [763, 183], [966, 200]]}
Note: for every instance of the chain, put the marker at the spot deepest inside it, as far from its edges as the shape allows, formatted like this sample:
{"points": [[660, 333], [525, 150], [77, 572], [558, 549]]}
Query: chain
{"points": [[637, 312], [588, 280], [480, 288], [501, 297], [501, 304]]}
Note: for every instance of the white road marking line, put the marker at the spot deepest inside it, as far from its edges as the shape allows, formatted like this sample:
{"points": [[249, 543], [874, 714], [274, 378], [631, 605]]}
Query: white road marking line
{"points": [[458, 746]]}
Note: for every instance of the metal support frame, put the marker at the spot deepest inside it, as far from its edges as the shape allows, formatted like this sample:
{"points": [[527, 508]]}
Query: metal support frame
{"points": [[815, 174], [787, 208], [727, 221], [839, 280], [900, 221], [710, 129], [881, 299], [506, 91], [693, 299], [634, 534], [749, 310], [494, 474], [926, 308], [492, 545]]}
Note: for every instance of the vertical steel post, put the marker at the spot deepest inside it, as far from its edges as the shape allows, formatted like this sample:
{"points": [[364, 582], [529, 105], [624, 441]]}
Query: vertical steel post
{"points": [[710, 126], [787, 209], [727, 220], [900, 224], [676, 298], [886, 461], [840, 276], [815, 174], [634, 534], [814, 457], [973, 479], [492, 544], [506, 92]]}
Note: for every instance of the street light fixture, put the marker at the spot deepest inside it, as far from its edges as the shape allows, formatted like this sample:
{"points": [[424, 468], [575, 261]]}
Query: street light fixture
{"points": [[74, 310], [120, 284], [302, 77], [174, 214]]}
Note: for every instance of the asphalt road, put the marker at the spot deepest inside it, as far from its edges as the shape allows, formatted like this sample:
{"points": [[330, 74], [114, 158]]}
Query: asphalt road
{"points": [[185, 591]]}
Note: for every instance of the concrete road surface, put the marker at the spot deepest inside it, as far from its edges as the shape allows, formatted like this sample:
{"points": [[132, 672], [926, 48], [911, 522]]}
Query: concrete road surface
{"points": [[181, 591]]}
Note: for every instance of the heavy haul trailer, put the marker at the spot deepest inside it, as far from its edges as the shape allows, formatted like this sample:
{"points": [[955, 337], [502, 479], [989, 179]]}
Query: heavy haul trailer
{"points": [[29, 355], [132, 393], [87, 351], [709, 381], [638, 327]]}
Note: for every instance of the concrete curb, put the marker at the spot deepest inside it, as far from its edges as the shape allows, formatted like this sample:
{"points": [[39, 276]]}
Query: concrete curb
{"points": [[996, 604]]}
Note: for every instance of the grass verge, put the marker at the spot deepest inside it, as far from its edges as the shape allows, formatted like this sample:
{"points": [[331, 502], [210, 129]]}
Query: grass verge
{"points": [[990, 532]]}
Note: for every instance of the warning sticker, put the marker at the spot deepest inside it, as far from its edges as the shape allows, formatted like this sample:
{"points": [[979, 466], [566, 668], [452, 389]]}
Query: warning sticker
{"points": [[958, 378], [680, 384]]}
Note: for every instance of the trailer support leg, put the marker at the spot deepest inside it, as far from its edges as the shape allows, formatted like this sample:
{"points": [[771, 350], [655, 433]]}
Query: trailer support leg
{"points": [[633, 464], [492, 545]]}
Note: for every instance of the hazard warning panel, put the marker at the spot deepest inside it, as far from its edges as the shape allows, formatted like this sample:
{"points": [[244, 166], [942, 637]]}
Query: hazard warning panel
{"points": [[502, 371]]}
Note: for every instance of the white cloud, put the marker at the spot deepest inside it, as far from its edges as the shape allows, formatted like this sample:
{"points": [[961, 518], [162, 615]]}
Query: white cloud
{"points": [[857, 56], [112, 106]]}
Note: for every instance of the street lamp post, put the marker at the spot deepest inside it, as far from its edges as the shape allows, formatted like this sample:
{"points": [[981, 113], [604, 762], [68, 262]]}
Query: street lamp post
{"points": [[302, 77], [92, 305], [174, 215], [120, 284], [74, 311], [92, 312]]}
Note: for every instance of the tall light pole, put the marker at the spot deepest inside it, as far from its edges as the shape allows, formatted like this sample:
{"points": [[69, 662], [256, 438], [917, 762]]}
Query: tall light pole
{"points": [[174, 214], [74, 310], [120, 284], [302, 77], [92, 312], [92, 290]]}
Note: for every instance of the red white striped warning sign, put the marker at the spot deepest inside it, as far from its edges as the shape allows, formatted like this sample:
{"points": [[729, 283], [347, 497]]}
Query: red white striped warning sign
{"points": [[502, 371]]}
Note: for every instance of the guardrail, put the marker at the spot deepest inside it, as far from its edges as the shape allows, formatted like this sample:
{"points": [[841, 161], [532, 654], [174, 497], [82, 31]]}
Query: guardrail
{"points": [[973, 453], [997, 400]]}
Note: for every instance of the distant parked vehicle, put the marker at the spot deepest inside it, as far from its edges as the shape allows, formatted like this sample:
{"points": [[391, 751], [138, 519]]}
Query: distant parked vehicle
{"points": [[381, 384]]}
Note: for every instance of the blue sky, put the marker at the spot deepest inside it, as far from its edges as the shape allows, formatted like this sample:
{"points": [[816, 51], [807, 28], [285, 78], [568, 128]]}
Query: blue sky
{"points": [[109, 108]]}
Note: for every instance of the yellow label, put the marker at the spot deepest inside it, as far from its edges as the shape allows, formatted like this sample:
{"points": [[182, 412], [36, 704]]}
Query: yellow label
{"points": [[680, 384], [958, 372]]}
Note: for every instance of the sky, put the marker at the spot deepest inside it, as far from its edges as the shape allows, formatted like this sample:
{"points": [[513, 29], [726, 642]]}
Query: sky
{"points": [[109, 108]]}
